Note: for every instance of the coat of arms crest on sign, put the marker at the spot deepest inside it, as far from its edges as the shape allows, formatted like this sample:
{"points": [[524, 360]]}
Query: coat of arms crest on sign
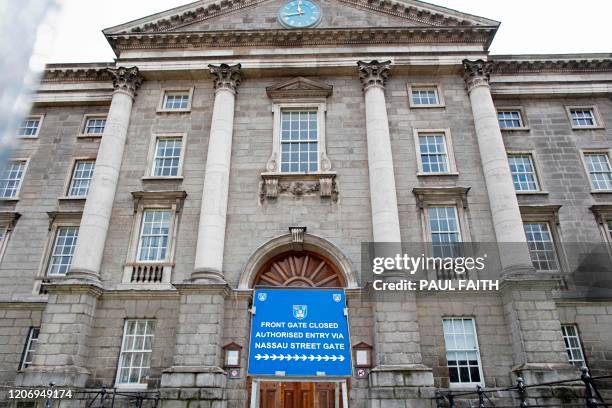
{"points": [[300, 311]]}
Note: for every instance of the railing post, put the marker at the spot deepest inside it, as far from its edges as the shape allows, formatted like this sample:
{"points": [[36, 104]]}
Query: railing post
{"points": [[588, 391], [451, 400], [522, 390], [480, 392]]}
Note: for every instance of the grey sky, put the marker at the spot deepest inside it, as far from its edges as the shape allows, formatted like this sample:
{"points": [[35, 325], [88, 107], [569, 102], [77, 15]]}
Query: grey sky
{"points": [[528, 26]]}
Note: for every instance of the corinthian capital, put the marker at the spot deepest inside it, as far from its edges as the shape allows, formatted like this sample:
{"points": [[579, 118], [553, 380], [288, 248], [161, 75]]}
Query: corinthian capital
{"points": [[476, 73], [373, 73], [127, 80], [226, 76]]}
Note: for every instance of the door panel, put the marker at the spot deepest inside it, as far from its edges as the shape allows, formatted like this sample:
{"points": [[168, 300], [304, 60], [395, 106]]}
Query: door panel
{"points": [[298, 395]]}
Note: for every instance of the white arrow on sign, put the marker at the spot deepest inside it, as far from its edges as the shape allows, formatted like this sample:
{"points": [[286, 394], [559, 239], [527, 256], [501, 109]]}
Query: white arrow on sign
{"points": [[303, 357], [341, 358], [311, 357]]}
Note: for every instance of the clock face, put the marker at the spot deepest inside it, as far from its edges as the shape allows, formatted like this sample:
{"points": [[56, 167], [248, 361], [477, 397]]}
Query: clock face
{"points": [[299, 14]]}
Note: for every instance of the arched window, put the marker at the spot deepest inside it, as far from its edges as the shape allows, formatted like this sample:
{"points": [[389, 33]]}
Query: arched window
{"points": [[300, 269]]}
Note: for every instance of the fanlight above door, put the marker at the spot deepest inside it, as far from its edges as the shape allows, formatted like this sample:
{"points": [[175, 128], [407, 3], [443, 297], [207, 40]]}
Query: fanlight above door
{"points": [[300, 269]]}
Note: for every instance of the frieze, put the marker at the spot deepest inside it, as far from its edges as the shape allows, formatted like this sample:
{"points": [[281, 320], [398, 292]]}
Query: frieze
{"points": [[273, 185], [76, 75]]}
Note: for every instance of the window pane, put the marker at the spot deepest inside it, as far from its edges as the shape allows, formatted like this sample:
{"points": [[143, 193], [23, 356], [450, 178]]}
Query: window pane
{"points": [[135, 359], [433, 153], [600, 172], [424, 96], [153, 242], [583, 117], [445, 233], [167, 157], [81, 178], [299, 141], [509, 119], [95, 126], [176, 100], [30, 347], [523, 172], [63, 249], [10, 178], [28, 127], [572, 345], [541, 246], [462, 355]]}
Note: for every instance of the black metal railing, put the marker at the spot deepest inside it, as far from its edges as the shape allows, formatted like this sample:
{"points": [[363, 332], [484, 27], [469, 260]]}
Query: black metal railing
{"points": [[591, 397]]}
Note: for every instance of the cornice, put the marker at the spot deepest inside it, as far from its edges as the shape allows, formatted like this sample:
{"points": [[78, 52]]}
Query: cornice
{"points": [[408, 11], [61, 74], [535, 66], [305, 37]]}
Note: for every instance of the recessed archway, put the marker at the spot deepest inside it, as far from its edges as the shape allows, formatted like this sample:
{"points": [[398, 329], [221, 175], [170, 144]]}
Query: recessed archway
{"points": [[316, 247]]}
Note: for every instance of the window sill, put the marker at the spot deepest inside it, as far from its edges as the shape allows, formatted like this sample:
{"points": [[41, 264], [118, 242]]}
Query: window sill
{"points": [[70, 198], [464, 386], [447, 174], [162, 178], [588, 128], [275, 184], [601, 191], [9, 199], [89, 136], [516, 129], [173, 110], [28, 137], [528, 193], [128, 387], [438, 106]]}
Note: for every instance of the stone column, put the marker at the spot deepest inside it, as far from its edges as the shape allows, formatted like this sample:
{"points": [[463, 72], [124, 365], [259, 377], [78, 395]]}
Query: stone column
{"points": [[211, 232], [531, 316], [385, 220], [399, 378], [95, 221], [507, 221]]}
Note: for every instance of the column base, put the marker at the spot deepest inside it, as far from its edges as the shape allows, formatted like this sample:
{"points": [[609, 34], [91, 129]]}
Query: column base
{"points": [[537, 373], [409, 385], [207, 276], [60, 376], [558, 395], [83, 275], [181, 384]]}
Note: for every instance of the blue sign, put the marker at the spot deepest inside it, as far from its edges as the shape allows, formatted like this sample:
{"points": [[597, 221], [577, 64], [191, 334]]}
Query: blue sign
{"points": [[299, 333]]}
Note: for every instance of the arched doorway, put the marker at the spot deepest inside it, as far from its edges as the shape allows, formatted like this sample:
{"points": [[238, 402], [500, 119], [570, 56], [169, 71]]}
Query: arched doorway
{"points": [[304, 269]]}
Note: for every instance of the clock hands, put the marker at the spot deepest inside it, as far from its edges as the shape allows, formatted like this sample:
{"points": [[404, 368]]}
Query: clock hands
{"points": [[299, 7], [293, 14]]}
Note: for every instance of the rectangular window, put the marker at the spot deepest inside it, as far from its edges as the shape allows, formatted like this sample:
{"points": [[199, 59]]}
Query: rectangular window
{"points": [[425, 96], [176, 101], [136, 350], [583, 117], [462, 354], [523, 172], [154, 233], [445, 232], [29, 348], [573, 345], [10, 178], [3, 232], [510, 119], [600, 173], [81, 178], [167, 157], [63, 249], [541, 246], [29, 127], [434, 157], [299, 142], [94, 125]]}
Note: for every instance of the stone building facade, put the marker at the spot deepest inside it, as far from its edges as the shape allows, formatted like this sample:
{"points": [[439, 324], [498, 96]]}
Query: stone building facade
{"points": [[149, 196]]}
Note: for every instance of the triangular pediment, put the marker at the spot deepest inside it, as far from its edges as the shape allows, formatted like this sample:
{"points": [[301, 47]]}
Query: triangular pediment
{"points": [[299, 87], [222, 15]]}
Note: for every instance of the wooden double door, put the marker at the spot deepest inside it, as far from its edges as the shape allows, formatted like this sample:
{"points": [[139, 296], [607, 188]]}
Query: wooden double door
{"points": [[299, 395]]}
